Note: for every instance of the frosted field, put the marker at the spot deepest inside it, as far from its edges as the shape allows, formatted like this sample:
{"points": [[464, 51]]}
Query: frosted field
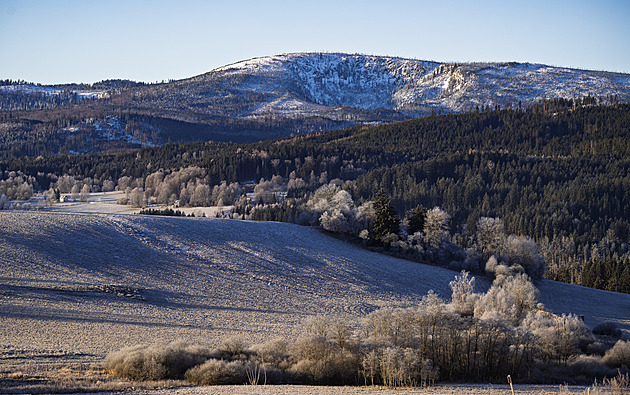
{"points": [[74, 286]]}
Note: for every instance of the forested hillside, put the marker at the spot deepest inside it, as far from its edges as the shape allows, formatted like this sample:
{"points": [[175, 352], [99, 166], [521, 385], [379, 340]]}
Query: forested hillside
{"points": [[273, 97], [557, 172]]}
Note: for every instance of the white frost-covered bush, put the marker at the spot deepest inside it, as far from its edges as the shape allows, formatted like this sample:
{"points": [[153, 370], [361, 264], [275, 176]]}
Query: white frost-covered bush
{"points": [[522, 252], [156, 362], [508, 299], [463, 298], [334, 221], [5, 204], [218, 372], [619, 355]]}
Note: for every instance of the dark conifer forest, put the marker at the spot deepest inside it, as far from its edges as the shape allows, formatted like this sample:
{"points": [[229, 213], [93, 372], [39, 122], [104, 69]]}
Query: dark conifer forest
{"points": [[558, 172]]}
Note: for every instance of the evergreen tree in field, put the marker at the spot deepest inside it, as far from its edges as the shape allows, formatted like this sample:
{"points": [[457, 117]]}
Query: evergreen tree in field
{"points": [[415, 219], [386, 220]]}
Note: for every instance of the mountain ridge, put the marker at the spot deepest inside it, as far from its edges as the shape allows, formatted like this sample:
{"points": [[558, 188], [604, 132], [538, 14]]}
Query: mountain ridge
{"points": [[276, 96]]}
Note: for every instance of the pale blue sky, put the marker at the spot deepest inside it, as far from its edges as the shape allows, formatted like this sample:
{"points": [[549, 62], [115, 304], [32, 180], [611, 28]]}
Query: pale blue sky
{"points": [[56, 41]]}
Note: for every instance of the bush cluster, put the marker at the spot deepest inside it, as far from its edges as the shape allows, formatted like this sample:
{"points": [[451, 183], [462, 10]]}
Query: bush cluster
{"points": [[473, 337]]}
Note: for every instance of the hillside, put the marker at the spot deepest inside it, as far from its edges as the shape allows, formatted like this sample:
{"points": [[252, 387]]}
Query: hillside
{"points": [[79, 286], [276, 96]]}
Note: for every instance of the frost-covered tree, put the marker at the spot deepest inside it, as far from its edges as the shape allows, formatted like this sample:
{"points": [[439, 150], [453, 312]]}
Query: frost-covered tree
{"points": [[153, 182], [265, 191], [508, 299], [490, 236], [436, 227], [200, 196], [5, 204], [108, 186], [463, 298], [364, 219], [85, 193], [137, 198], [336, 210], [76, 191], [523, 253], [124, 182], [65, 183], [52, 196], [226, 194]]}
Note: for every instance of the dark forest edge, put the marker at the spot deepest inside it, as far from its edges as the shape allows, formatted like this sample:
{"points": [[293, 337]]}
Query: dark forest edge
{"points": [[556, 173]]}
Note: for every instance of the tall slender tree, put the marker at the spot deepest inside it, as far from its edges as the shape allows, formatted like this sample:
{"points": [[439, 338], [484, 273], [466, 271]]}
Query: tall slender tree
{"points": [[386, 220]]}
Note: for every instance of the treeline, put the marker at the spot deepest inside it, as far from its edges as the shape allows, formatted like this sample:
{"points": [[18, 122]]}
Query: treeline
{"points": [[558, 172], [473, 337], [38, 99], [167, 212]]}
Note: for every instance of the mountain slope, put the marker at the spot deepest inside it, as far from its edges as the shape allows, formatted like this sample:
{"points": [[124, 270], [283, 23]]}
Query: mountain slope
{"points": [[303, 84], [276, 96]]}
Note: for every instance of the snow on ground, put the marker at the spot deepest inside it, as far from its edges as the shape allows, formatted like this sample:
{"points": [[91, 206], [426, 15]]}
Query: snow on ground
{"points": [[201, 280], [75, 286], [48, 90]]}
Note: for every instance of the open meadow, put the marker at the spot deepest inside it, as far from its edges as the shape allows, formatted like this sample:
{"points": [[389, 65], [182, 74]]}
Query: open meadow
{"points": [[76, 286]]}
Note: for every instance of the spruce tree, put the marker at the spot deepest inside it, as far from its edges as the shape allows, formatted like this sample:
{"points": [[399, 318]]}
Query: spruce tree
{"points": [[386, 220], [415, 219]]}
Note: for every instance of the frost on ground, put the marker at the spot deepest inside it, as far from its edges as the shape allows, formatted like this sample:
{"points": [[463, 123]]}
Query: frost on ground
{"points": [[74, 287]]}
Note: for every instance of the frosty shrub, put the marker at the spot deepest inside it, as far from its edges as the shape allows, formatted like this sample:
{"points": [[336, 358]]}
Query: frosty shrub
{"points": [[156, 362], [618, 385], [463, 298], [320, 361], [522, 252], [619, 355], [558, 337], [508, 299], [233, 347], [5, 204], [274, 352], [137, 198], [334, 221], [311, 347], [218, 372]]}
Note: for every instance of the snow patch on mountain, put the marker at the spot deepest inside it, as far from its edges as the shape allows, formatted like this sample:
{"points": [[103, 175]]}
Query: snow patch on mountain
{"points": [[413, 87]]}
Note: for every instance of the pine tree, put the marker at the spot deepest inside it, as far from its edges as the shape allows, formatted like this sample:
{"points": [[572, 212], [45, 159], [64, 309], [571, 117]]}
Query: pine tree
{"points": [[386, 220], [415, 219]]}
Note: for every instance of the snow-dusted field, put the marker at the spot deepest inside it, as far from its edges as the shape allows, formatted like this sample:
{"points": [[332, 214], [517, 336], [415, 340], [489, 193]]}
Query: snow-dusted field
{"points": [[75, 286]]}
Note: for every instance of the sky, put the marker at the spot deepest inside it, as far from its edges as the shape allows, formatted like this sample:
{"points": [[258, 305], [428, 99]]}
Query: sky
{"points": [[57, 41]]}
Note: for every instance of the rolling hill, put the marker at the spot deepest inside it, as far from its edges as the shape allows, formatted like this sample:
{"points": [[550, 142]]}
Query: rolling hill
{"points": [[81, 285]]}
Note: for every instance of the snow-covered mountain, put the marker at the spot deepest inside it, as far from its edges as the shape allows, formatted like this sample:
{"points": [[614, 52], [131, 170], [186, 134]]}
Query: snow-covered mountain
{"points": [[276, 96], [319, 83]]}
